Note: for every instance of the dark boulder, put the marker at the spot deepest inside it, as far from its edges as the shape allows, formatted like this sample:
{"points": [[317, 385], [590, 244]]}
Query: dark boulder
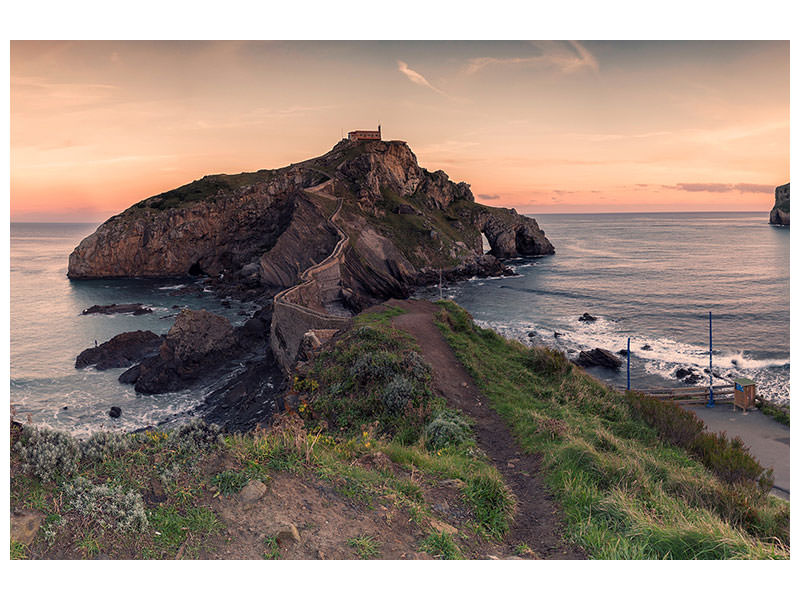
{"points": [[587, 318], [599, 358], [687, 375], [122, 350], [647, 347], [622, 352], [115, 412]]}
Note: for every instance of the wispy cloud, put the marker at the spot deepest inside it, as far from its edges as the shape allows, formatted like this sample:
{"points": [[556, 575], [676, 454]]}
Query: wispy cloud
{"points": [[489, 196], [742, 188], [417, 78], [567, 57]]}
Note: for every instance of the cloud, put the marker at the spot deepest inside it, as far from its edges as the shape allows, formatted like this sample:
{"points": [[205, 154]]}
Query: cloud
{"points": [[742, 188], [417, 78], [489, 196], [567, 57]]}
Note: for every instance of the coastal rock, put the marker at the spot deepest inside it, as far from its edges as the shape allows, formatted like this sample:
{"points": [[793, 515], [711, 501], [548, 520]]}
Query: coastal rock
{"points": [[687, 375], [511, 235], [122, 350], [587, 318], [198, 342], [113, 309], [779, 215], [115, 412], [598, 357]]}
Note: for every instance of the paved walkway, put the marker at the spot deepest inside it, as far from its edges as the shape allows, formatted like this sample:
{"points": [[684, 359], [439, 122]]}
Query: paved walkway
{"points": [[767, 439]]}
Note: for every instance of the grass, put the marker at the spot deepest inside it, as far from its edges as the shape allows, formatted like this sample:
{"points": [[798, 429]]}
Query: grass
{"points": [[441, 545], [230, 482], [365, 546], [356, 406], [625, 491], [19, 551]]}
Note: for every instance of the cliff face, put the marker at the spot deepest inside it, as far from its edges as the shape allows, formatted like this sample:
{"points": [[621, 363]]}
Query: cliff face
{"points": [[404, 223], [779, 215]]}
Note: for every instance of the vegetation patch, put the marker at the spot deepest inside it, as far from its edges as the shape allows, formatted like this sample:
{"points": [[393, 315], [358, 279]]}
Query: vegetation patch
{"points": [[442, 546], [365, 547], [635, 479]]}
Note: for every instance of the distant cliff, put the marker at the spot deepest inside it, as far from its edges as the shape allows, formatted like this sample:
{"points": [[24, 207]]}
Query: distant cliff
{"points": [[779, 215]]}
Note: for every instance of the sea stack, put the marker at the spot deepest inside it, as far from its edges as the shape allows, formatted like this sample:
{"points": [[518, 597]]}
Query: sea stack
{"points": [[779, 215]]}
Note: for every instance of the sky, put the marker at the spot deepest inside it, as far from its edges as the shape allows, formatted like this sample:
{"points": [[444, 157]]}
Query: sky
{"points": [[545, 127]]}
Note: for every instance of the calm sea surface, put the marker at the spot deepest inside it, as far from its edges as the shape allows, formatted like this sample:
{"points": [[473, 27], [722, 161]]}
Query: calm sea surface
{"points": [[652, 277]]}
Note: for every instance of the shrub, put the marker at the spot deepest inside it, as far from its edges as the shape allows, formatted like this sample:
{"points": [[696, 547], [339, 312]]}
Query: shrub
{"points": [[547, 361], [47, 453], [447, 428], [195, 436], [105, 443], [729, 460], [380, 365], [398, 394], [110, 506], [416, 367], [674, 424]]}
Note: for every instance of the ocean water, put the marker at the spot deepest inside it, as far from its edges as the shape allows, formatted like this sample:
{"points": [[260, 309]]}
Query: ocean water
{"points": [[48, 332], [653, 278]]}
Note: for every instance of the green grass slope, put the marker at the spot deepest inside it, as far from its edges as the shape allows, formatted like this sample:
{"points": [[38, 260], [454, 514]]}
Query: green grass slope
{"points": [[636, 479]]}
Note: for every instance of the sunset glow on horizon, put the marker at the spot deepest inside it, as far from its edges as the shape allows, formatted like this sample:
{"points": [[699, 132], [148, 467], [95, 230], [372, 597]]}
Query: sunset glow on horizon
{"points": [[545, 127]]}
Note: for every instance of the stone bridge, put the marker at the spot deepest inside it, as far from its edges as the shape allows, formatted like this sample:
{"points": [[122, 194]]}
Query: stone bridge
{"points": [[302, 307]]}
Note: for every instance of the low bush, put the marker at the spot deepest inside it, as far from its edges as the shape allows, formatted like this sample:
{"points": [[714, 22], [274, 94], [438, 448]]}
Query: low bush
{"points": [[448, 428], [380, 365], [398, 394], [728, 459], [195, 436], [108, 505], [103, 444], [47, 453]]}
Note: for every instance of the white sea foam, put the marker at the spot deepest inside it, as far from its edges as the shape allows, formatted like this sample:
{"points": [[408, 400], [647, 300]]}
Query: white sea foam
{"points": [[173, 287]]}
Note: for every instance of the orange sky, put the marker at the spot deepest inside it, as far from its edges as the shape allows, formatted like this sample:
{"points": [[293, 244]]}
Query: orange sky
{"points": [[542, 126]]}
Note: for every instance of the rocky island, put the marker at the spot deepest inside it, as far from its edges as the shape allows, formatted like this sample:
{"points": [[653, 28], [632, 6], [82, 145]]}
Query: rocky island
{"points": [[779, 215], [314, 243]]}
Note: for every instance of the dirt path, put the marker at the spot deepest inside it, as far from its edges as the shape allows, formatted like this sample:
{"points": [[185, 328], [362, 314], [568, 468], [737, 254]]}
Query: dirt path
{"points": [[537, 519]]}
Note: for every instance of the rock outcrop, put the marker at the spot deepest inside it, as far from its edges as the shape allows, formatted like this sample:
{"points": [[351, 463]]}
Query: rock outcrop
{"points": [[265, 228], [599, 357], [397, 226], [122, 350], [114, 309], [197, 343], [779, 215]]}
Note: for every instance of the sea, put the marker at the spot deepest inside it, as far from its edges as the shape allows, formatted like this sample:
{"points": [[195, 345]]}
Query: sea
{"points": [[651, 277], [48, 331]]}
